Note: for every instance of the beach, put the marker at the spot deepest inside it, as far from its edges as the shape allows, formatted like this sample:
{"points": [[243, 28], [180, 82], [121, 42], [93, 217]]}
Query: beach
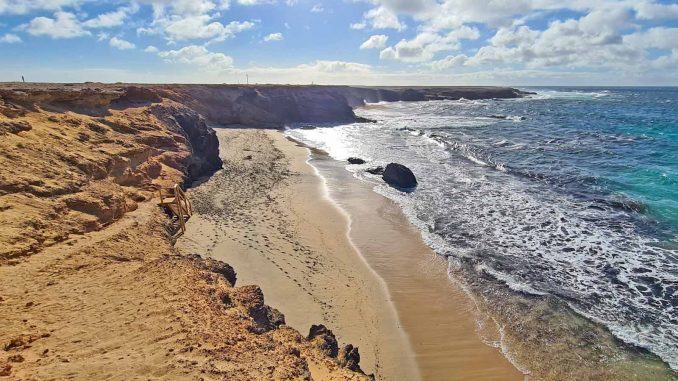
{"points": [[328, 249]]}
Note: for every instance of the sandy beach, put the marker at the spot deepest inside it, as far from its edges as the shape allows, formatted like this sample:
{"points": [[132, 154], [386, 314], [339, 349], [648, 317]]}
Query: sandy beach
{"points": [[328, 249]]}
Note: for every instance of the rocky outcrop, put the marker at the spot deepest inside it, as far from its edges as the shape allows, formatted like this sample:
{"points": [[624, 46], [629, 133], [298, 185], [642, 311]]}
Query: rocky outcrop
{"points": [[399, 176], [135, 95], [324, 339], [356, 160], [349, 357], [378, 170], [251, 300], [214, 267], [202, 140]]}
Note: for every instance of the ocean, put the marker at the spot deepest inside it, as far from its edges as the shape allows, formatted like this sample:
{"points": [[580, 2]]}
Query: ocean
{"points": [[570, 192]]}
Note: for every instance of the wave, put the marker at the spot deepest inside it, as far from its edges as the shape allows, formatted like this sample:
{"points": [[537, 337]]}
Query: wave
{"points": [[546, 94]]}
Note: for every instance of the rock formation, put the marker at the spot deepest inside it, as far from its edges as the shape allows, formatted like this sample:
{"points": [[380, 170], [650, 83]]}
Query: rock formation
{"points": [[399, 176], [378, 170], [324, 339]]}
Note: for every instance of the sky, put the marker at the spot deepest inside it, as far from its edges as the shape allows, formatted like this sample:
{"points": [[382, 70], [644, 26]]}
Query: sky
{"points": [[356, 42]]}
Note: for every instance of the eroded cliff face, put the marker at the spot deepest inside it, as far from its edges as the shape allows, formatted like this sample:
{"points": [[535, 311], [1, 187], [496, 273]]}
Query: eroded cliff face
{"points": [[75, 160]]}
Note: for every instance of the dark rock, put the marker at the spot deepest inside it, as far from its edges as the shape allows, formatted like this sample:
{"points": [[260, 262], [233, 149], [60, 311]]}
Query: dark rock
{"points": [[399, 176], [221, 268], [214, 266], [324, 340], [349, 358], [375, 170], [201, 139], [266, 318], [14, 127], [360, 119], [251, 299], [356, 160], [136, 94]]}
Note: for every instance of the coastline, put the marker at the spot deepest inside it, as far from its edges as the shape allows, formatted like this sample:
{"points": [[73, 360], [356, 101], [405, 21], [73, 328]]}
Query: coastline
{"points": [[371, 279]]}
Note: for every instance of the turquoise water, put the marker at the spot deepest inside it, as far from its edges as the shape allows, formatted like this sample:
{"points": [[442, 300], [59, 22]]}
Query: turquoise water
{"points": [[571, 192]]}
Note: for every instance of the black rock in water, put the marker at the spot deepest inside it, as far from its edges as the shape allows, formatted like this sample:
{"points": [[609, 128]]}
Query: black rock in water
{"points": [[375, 170], [356, 160], [399, 176]]}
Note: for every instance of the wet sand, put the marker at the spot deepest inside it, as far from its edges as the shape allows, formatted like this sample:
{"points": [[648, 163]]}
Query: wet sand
{"points": [[439, 317], [376, 285]]}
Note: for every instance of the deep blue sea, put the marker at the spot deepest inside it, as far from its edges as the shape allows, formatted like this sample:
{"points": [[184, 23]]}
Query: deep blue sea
{"points": [[571, 192]]}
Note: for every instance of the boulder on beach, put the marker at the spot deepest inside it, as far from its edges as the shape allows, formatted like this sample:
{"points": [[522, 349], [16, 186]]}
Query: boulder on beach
{"points": [[399, 176], [356, 160]]}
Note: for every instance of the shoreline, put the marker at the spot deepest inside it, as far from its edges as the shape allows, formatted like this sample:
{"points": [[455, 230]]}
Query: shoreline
{"points": [[289, 239], [353, 287], [424, 296]]}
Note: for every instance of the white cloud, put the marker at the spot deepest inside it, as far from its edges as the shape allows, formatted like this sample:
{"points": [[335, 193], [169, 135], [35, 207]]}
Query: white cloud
{"points": [[151, 49], [184, 7], [199, 56], [63, 25], [382, 18], [377, 41], [110, 19], [121, 44], [28, 6], [337, 67], [273, 37], [426, 45], [651, 11], [594, 40], [358, 26], [448, 62], [10, 39], [198, 27]]}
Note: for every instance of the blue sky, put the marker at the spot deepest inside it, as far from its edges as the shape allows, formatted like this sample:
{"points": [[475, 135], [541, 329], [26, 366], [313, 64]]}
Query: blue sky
{"points": [[406, 42]]}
